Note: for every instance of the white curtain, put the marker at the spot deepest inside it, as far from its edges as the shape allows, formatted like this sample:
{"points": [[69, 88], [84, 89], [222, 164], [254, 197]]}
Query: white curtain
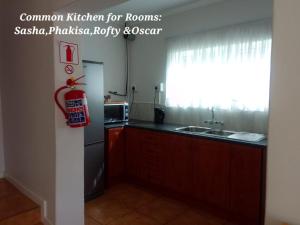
{"points": [[228, 68]]}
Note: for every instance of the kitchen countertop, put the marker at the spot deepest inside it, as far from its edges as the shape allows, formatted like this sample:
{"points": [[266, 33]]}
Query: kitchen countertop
{"points": [[170, 128]]}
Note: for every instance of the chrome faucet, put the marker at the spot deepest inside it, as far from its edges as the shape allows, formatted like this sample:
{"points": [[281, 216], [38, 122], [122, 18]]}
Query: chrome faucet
{"points": [[212, 123], [212, 114]]}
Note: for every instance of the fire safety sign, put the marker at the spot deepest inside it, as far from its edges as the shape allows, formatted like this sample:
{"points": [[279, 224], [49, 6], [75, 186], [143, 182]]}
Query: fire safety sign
{"points": [[68, 53]]}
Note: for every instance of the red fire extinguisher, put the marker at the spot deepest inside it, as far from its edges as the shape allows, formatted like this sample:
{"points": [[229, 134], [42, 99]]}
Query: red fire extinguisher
{"points": [[76, 112], [69, 53]]}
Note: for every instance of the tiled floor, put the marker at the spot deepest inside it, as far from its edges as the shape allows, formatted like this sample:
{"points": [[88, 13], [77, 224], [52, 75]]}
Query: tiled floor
{"points": [[15, 208], [125, 204]]}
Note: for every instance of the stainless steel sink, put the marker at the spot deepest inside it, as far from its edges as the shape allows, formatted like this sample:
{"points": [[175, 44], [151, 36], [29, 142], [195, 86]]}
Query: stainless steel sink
{"points": [[219, 133], [205, 131], [193, 129]]}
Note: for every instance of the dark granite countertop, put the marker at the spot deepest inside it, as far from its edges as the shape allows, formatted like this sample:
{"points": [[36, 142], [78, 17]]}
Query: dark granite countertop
{"points": [[170, 128]]}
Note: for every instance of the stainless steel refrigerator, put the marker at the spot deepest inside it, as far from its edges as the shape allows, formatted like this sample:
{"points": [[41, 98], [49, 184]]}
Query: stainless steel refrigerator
{"points": [[94, 133]]}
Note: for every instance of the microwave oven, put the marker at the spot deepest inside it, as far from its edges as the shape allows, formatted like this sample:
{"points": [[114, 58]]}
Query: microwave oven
{"points": [[116, 113]]}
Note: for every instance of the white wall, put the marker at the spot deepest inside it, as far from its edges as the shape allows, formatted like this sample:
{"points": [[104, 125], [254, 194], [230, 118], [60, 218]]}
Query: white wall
{"points": [[69, 165], [283, 183], [2, 163], [110, 51], [148, 54], [2, 166], [28, 109], [83, 6], [58, 4]]}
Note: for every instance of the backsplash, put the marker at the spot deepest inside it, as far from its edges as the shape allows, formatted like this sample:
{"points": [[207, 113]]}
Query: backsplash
{"points": [[256, 122]]}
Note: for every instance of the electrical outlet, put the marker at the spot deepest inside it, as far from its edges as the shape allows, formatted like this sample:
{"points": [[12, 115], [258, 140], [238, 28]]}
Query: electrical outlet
{"points": [[161, 87]]}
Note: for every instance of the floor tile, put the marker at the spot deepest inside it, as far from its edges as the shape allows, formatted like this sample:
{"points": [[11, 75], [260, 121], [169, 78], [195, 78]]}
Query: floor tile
{"points": [[90, 221], [105, 211], [26, 218], [132, 197], [196, 218], [12, 205], [134, 219], [125, 204], [163, 210], [6, 188]]}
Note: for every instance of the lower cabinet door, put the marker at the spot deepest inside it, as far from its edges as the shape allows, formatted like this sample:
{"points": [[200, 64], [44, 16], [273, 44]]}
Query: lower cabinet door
{"points": [[178, 166], [152, 147], [133, 160], [211, 167], [246, 185], [115, 154]]}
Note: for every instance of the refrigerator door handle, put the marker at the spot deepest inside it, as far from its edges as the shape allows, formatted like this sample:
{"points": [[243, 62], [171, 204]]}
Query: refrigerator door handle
{"points": [[94, 143], [99, 176]]}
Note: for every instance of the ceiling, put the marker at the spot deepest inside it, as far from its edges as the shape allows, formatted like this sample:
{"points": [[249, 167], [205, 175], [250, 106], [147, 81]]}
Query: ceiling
{"points": [[155, 6]]}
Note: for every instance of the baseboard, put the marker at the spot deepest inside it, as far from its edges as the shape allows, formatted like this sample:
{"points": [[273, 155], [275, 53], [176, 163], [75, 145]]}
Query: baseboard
{"points": [[30, 194], [46, 221], [26, 191]]}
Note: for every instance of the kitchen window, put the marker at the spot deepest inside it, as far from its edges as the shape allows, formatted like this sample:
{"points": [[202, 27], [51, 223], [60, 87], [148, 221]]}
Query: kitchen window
{"points": [[227, 68]]}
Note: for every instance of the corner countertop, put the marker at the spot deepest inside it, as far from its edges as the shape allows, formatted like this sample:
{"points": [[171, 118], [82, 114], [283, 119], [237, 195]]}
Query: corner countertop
{"points": [[170, 128]]}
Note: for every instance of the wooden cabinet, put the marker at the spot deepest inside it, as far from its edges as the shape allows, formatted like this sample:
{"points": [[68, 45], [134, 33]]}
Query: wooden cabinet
{"points": [[211, 166], [145, 156], [152, 148], [115, 155], [159, 159], [178, 167], [133, 159], [246, 183], [221, 176]]}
